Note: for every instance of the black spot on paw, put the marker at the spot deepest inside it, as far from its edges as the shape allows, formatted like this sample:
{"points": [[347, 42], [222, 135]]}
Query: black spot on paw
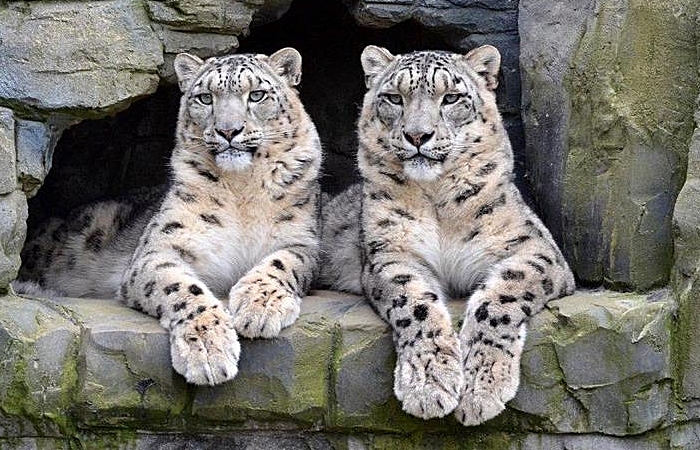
{"points": [[195, 290], [169, 289], [420, 312], [506, 299], [537, 267], [544, 258], [399, 302], [509, 274], [430, 296], [277, 264], [403, 323], [547, 286], [148, 288]]}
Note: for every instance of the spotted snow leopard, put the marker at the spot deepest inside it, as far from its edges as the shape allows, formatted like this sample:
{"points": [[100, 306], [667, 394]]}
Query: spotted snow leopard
{"points": [[437, 215], [233, 245]]}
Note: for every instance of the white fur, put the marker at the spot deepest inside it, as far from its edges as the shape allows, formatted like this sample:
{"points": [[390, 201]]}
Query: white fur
{"points": [[234, 160], [459, 265]]}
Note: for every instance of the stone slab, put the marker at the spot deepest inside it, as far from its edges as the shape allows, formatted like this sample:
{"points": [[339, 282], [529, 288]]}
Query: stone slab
{"points": [[595, 362], [284, 378]]}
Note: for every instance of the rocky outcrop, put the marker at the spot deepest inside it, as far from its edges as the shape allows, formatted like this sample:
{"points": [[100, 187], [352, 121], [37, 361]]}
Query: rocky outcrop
{"points": [[608, 128], [81, 370]]}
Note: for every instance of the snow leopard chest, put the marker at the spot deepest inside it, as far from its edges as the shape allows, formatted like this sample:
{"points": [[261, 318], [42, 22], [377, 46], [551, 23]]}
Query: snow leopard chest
{"points": [[458, 263], [220, 245]]}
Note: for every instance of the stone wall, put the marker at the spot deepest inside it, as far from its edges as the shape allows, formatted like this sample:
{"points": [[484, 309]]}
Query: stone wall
{"points": [[606, 146]]}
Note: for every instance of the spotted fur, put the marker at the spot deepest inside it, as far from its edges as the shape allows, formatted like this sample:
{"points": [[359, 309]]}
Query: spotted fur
{"points": [[437, 215], [233, 245]]}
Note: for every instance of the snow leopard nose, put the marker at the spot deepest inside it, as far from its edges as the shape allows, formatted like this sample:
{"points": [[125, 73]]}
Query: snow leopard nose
{"points": [[419, 138], [229, 133]]}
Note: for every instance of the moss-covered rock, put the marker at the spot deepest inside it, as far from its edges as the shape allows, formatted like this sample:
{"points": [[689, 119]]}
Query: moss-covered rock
{"points": [[283, 379], [686, 282], [599, 362], [607, 132]]}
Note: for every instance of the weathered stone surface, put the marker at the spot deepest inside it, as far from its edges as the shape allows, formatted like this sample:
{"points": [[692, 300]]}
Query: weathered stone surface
{"points": [[13, 230], [599, 362], [685, 437], [125, 372], [462, 17], [101, 368], [108, 55], [284, 377], [39, 367], [8, 168], [539, 442], [686, 279], [607, 135], [35, 142]]}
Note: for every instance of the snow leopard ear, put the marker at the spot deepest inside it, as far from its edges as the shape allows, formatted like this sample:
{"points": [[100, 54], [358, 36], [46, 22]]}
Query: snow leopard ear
{"points": [[287, 64], [486, 61], [187, 67], [374, 61]]}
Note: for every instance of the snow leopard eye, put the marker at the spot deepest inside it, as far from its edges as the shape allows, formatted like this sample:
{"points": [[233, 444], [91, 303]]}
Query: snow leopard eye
{"points": [[205, 98], [449, 99], [256, 96], [395, 99]]}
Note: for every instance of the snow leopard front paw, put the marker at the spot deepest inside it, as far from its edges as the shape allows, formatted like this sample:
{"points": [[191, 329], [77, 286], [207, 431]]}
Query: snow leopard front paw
{"points": [[261, 308], [205, 348], [492, 378], [428, 377]]}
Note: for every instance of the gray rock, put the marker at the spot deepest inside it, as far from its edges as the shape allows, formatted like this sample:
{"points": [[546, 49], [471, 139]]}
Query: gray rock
{"points": [[686, 277], [685, 437], [39, 368], [13, 230], [108, 56], [125, 363], [462, 17], [194, 15], [605, 143], [589, 442], [8, 168], [35, 145], [286, 376], [607, 370]]}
